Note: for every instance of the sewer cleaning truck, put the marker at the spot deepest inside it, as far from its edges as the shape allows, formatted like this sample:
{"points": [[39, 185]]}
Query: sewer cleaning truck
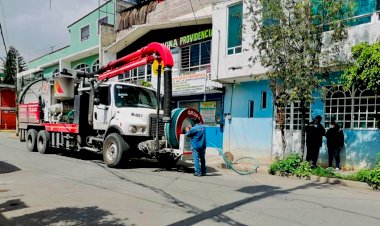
{"points": [[81, 111]]}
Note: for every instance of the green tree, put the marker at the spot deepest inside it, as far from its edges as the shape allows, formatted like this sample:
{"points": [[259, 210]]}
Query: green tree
{"points": [[146, 84], [12, 60], [291, 41], [364, 68]]}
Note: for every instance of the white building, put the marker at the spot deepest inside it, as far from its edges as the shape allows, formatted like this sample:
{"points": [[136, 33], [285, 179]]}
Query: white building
{"points": [[249, 112]]}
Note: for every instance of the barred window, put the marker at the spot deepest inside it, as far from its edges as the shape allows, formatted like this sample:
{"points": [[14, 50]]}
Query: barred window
{"points": [[293, 116], [95, 65], [82, 67], [142, 73], [352, 109], [85, 33], [55, 72], [196, 57]]}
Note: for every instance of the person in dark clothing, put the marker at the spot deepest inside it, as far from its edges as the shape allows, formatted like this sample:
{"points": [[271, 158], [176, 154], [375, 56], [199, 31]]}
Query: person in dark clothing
{"points": [[198, 146], [335, 143], [314, 133]]}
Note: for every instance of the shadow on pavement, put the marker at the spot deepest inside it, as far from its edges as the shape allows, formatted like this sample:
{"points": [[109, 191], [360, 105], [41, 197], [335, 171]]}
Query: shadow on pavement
{"points": [[68, 216], [188, 208], [7, 168], [258, 192], [11, 205], [135, 163]]}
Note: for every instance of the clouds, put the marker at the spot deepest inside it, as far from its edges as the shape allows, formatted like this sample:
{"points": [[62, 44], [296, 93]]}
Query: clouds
{"points": [[33, 28]]}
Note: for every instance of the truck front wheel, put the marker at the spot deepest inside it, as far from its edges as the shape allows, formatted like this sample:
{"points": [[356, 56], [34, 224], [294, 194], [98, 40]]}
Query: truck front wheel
{"points": [[43, 142], [31, 140], [113, 149]]}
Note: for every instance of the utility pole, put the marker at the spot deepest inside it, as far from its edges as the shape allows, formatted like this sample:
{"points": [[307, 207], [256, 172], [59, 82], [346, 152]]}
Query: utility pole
{"points": [[16, 84]]}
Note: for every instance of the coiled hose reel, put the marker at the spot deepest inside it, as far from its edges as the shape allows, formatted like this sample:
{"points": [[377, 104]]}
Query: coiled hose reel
{"points": [[182, 118]]}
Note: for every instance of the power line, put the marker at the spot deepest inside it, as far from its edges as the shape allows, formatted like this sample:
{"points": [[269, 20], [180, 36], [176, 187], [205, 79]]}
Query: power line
{"points": [[192, 9], [195, 17], [2, 35], [5, 27]]}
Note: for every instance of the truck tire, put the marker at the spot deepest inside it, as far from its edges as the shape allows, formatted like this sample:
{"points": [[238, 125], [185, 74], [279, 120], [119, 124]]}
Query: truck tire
{"points": [[166, 161], [43, 142], [31, 140], [114, 147]]}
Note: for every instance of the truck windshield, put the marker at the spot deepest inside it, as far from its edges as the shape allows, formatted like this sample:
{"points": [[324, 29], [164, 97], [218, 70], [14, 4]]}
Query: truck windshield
{"points": [[130, 96]]}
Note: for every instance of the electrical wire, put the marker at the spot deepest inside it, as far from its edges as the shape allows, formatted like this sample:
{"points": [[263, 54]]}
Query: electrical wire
{"points": [[5, 27], [2, 35], [195, 19]]}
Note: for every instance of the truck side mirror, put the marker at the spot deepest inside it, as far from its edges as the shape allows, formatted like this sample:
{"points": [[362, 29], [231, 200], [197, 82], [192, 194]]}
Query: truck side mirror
{"points": [[96, 101]]}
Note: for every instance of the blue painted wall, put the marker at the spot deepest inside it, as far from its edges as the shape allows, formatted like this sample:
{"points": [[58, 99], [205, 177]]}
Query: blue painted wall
{"points": [[214, 136], [244, 135], [253, 136], [360, 150], [244, 92]]}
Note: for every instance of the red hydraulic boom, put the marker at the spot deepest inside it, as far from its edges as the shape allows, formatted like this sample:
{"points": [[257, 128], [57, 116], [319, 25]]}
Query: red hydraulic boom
{"points": [[146, 55]]}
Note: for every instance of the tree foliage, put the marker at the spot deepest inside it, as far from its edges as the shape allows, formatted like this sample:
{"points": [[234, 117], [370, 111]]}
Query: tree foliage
{"points": [[364, 70], [293, 39], [146, 84], [12, 60]]}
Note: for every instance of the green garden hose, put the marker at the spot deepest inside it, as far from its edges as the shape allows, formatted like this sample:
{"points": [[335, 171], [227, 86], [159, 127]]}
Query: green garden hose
{"points": [[230, 165]]}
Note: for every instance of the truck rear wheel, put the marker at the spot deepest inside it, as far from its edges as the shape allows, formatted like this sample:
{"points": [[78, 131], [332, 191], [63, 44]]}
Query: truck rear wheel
{"points": [[31, 140], [114, 148], [43, 142]]}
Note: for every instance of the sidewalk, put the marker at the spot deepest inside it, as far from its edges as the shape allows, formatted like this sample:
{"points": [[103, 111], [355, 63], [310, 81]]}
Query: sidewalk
{"points": [[8, 133], [215, 161]]}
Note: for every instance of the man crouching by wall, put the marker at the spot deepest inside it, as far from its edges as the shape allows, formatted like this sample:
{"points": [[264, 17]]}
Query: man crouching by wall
{"points": [[197, 135]]}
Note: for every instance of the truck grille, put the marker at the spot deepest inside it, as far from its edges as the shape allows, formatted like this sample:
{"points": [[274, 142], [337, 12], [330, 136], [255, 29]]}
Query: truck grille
{"points": [[153, 126]]}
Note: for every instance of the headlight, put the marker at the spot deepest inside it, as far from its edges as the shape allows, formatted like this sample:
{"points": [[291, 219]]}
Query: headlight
{"points": [[133, 129]]}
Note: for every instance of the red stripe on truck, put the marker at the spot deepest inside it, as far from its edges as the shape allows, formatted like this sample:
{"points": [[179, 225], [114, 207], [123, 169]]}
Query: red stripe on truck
{"points": [[61, 127]]}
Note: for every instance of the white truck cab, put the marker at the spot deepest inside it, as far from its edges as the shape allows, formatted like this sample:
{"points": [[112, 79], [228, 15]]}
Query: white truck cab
{"points": [[124, 106]]}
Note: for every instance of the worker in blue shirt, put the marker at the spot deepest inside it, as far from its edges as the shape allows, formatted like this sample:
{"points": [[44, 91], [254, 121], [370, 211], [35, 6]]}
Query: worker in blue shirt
{"points": [[198, 146]]}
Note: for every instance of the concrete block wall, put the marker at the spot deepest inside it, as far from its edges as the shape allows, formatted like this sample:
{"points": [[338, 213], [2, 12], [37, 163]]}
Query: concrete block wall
{"points": [[170, 9]]}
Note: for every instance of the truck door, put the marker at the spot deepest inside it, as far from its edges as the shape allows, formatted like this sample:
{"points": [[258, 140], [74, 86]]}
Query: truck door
{"points": [[102, 108]]}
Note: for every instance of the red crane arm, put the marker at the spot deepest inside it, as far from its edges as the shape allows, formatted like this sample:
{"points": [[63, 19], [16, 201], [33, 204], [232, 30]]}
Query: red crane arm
{"points": [[143, 56]]}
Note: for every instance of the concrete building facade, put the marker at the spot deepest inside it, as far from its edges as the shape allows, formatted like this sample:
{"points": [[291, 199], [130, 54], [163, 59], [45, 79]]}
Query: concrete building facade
{"points": [[250, 128], [186, 28], [84, 47], [120, 27]]}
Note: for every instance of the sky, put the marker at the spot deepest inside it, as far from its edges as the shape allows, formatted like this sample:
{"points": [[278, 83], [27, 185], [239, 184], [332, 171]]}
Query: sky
{"points": [[33, 28]]}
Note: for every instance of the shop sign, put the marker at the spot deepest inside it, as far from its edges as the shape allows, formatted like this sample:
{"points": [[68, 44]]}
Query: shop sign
{"points": [[188, 39], [208, 111], [193, 83], [189, 84]]}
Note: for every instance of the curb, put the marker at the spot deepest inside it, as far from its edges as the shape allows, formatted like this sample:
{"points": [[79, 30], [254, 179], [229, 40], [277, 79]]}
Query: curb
{"points": [[335, 181], [7, 131], [328, 180]]}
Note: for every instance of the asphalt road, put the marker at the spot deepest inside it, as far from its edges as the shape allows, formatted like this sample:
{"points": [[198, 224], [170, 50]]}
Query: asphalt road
{"points": [[68, 189]]}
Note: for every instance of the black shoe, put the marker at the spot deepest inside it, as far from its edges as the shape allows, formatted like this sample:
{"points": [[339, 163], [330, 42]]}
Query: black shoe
{"points": [[204, 174], [197, 175]]}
